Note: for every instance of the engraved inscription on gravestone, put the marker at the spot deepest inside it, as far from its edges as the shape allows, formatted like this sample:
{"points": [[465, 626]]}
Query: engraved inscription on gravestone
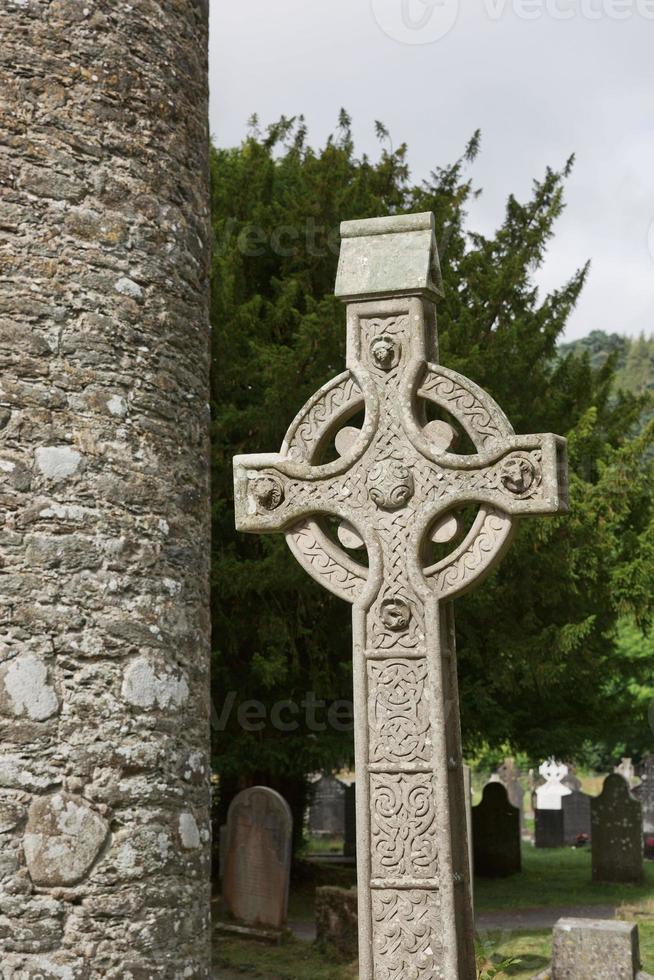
{"points": [[397, 486], [258, 858]]}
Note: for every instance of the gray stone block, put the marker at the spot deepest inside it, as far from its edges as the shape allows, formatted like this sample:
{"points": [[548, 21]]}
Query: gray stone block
{"points": [[593, 949]]}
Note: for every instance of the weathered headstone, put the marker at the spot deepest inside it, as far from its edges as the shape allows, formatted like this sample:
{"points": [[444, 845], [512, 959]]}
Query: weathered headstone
{"points": [[626, 770], [571, 780], [327, 810], [258, 861], [395, 484], [509, 774], [595, 949], [104, 466], [644, 793], [576, 818], [496, 834], [350, 837], [617, 833]]}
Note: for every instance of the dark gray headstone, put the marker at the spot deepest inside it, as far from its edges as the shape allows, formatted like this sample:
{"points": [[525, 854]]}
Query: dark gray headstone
{"points": [[576, 817], [549, 828], [327, 810], [350, 842], [644, 793], [617, 833], [496, 834], [258, 858]]}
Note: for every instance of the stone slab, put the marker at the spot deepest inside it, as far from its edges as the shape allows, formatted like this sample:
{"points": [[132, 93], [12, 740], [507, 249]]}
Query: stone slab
{"points": [[258, 860], [589, 949]]}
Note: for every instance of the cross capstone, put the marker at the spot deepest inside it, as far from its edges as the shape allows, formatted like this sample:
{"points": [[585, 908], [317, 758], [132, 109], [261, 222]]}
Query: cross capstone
{"points": [[398, 489]]}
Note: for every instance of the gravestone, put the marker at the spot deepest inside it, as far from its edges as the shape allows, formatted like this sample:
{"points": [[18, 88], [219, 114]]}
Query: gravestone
{"points": [[258, 861], [617, 833], [627, 771], [350, 838], [571, 781], [105, 855], [595, 949], [548, 812], [552, 791], [327, 810], [496, 834], [510, 775], [644, 793], [395, 485], [576, 817]]}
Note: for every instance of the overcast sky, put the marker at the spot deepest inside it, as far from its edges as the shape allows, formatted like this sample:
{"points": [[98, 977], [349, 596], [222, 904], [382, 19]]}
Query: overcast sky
{"points": [[541, 78]]}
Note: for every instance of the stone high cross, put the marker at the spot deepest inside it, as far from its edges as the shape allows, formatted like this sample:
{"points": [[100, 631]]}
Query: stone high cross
{"points": [[394, 486]]}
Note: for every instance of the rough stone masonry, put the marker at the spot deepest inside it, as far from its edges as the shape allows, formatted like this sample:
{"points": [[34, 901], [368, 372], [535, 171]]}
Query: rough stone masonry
{"points": [[104, 240]]}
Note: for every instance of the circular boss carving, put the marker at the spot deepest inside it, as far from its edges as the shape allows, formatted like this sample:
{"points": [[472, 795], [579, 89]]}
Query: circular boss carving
{"points": [[390, 484], [395, 614], [268, 492], [519, 475]]}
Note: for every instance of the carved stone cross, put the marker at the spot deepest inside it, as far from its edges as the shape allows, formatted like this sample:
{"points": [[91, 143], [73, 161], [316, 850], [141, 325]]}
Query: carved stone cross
{"points": [[394, 486]]}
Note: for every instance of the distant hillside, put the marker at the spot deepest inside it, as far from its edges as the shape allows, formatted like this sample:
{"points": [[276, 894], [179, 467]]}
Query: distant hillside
{"points": [[635, 358]]}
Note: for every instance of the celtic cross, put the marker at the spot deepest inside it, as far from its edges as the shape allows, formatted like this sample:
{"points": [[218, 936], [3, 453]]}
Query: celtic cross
{"points": [[397, 490]]}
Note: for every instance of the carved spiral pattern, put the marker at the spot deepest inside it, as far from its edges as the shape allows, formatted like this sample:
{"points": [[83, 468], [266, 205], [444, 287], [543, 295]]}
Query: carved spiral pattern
{"points": [[408, 935], [403, 826]]}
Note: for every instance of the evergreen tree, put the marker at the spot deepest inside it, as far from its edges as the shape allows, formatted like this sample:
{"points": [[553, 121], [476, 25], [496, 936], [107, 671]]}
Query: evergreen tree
{"points": [[539, 667]]}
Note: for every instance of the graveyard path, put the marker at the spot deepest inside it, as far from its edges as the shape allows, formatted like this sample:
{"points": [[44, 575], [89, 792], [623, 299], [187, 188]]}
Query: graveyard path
{"points": [[541, 918], [511, 919]]}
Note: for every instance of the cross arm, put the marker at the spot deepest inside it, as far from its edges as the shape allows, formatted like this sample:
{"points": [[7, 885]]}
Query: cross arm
{"points": [[273, 493], [520, 475], [526, 475]]}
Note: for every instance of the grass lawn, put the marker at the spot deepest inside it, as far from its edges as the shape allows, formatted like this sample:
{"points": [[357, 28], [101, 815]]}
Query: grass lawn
{"points": [[549, 878], [290, 961], [556, 877]]}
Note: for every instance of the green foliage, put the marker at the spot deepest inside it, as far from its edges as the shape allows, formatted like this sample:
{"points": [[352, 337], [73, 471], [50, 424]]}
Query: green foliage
{"points": [[539, 669]]}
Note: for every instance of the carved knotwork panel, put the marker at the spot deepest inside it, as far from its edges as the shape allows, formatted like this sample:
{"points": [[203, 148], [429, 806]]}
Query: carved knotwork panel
{"points": [[403, 818], [408, 935], [398, 712]]}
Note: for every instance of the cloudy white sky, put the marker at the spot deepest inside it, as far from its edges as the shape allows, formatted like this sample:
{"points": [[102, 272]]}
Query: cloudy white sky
{"points": [[541, 78]]}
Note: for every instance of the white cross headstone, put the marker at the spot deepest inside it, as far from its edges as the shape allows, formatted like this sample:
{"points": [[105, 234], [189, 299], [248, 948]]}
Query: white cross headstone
{"points": [[396, 484], [550, 794]]}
